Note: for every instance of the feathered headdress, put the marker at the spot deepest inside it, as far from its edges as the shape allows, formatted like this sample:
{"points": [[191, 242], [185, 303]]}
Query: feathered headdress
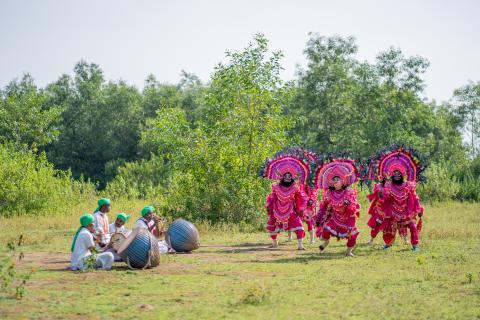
{"points": [[331, 166], [406, 160], [296, 161]]}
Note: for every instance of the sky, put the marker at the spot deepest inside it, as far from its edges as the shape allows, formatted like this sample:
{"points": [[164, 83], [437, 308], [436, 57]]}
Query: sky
{"points": [[132, 39]]}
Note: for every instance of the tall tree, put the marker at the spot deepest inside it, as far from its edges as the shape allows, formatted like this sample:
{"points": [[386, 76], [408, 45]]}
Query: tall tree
{"points": [[26, 116], [466, 101]]}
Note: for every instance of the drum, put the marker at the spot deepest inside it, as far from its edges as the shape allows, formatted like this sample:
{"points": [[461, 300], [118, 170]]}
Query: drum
{"points": [[183, 236], [140, 250], [117, 240]]}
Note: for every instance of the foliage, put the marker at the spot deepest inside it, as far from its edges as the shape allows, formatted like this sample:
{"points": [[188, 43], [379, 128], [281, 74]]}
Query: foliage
{"points": [[30, 184], [27, 117], [466, 101], [100, 123], [12, 280]]}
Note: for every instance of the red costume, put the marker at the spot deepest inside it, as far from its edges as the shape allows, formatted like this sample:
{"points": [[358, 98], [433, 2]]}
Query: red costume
{"points": [[310, 214], [375, 211], [287, 202], [396, 204], [338, 209], [284, 206], [342, 208], [401, 205]]}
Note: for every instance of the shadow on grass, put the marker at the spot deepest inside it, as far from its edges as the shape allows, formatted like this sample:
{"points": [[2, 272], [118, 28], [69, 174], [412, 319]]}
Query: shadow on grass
{"points": [[307, 258]]}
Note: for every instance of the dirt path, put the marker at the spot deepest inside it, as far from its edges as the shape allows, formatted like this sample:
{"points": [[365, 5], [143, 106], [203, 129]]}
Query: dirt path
{"points": [[60, 261]]}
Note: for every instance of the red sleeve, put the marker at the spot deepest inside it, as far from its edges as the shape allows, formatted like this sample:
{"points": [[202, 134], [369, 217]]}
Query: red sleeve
{"points": [[418, 208], [271, 198], [300, 200], [353, 207]]}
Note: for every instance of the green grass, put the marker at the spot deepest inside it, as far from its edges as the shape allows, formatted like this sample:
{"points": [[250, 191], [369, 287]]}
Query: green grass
{"points": [[233, 276]]}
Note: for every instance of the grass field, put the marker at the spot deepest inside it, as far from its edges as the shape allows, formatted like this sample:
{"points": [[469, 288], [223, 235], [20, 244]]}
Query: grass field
{"points": [[233, 275]]}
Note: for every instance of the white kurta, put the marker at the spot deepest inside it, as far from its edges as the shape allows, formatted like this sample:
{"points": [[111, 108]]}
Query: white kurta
{"points": [[100, 223], [81, 251]]}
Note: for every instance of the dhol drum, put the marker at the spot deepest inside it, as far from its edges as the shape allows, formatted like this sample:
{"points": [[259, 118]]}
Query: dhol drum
{"points": [[183, 236], [140, 250], [117, 240]]}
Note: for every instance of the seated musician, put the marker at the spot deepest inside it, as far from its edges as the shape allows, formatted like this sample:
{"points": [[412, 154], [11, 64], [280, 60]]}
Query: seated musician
{"points": [[119, 224], [117, 227], [83, 246], [150, 222]]}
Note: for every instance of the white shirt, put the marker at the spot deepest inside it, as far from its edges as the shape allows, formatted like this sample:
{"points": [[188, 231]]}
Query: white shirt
{"points": [[143, 224], [81, 249], [112, 228], [100, 223]]}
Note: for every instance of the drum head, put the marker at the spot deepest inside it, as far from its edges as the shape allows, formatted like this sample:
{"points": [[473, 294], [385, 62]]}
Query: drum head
{"points": [[117, 240]]}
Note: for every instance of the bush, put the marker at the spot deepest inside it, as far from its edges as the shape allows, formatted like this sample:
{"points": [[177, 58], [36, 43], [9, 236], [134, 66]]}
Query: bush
{"points": [[441, 184], [30, 184]]}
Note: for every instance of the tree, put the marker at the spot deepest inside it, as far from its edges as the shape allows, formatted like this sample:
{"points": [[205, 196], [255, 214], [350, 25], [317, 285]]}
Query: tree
{"points": [[466, 102], [100, 124], [27, 117]]}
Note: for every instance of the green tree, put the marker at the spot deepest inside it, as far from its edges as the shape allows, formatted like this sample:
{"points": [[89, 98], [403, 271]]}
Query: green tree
{"points": [[27, 117], [100, 124], [466, 101]]}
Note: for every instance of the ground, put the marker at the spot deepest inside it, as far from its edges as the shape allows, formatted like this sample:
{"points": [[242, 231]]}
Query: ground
{"points": [[235, 276]]}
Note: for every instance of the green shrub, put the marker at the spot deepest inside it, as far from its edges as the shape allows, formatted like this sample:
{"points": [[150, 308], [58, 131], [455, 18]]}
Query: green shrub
{"points": [[30, 184]]}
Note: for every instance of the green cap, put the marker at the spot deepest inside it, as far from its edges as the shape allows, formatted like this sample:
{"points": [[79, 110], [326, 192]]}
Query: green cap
{"points": [[86, 219], [102, 202], [123, 216], [146, 210]]}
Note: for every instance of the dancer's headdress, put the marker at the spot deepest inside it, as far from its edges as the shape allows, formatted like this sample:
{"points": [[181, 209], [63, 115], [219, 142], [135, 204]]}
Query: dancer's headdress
{"points": [[331, 166], [406, 160]]}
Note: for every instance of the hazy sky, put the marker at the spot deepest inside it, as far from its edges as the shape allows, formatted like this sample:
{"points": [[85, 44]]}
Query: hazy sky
{"points": [[131, 39]]}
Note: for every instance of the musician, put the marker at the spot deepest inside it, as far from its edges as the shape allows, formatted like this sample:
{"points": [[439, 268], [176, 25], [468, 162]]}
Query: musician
{"points": [[101, 222], [150, 222], [119, 224], [117, 227], [83, 246]]}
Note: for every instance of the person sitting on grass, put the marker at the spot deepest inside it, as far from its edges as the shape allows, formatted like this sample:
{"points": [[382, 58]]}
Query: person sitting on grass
{"points": [[150, 222], [101, 222], [83, 245], [119, 224], [117, 227]]}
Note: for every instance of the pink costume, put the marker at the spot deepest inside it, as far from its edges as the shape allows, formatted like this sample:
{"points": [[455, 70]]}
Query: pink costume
{"points": [[401, 205], [375, 211], [338, 209], [310, 214], [343, 208], [284, 206]]}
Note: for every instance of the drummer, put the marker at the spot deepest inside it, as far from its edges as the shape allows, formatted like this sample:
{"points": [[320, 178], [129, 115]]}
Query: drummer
{"points": [[119, 224], [150, 221], [117, 227]]}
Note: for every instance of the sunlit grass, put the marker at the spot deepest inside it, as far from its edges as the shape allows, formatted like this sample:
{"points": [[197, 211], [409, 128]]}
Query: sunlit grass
{"points": [[234, 276]]}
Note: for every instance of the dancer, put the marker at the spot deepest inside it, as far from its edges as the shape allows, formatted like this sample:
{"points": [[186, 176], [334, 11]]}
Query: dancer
{"points": [[398, 198], [310, 215], [339, 202], [287, 201]]}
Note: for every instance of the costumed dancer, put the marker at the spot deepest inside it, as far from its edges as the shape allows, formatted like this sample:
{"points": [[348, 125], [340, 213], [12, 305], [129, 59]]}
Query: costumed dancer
{"points": [[310, 214], [286, 203], [101, 224], [375, 211], [398, 198], [339, 202], [83, 245]]}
